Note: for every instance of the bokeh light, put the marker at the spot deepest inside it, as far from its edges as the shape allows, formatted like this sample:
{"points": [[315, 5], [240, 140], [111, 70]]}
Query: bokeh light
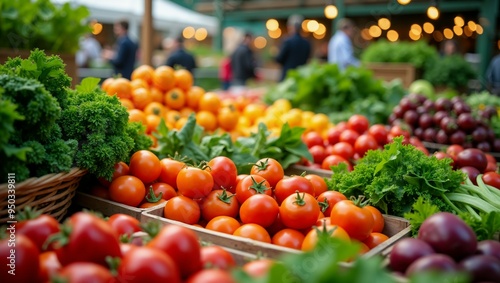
{"points": [[365, 34], [384, 23], [260, 42], [432, 12], [201, 34], [312, 25], [274, 33], [448, 33], [272, 24], [188, 32], [404, 2], [458, 30], [479, 29], [414, 36], [331, 12], [375, 31], [459, 21], [438, 36], [392, 35], [428, 27], [416, 29]]}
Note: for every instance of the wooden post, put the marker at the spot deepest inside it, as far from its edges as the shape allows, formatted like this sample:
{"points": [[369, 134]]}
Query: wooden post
{"points": [[147, 33]]}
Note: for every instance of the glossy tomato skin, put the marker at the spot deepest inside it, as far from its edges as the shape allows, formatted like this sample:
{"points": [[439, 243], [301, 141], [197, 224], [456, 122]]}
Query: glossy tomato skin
{"points": [[344, 149], [38, 230], [24, 260], [223, 224], [181, 244], [166, 190], [211, 276], [49, 265], [378, 218], [254, 232], [357, 222], [332, 160], [217, 257], [259, 209], [289, 238], [124, 224], [379, 132], [183, 209], [289, 186], [145, 165], [128, 190], [144, 264], [258, 268], [270, 169], [194, 182], [375, 239], [299, 211], [251, 185], [120, 169], [318, 183], [364, 143], [358, 123], [219, 203], [89, 231], [492, 179], [311, 238], [170, 168], [84, 272], [331, 198], [224, 172]]}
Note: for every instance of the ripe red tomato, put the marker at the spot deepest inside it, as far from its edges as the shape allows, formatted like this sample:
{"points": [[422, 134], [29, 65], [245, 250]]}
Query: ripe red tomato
{"points": [[318, 183], [318, 153], [378, 218], [24, 262], [211, 276], [289, 186], [299, 211], [333, 135], [240, 177], [349, 136], [167, 191], [181, 244], [38, 229], [223, 224], [375, 239], [217, 257], [379, 132], [83, 272], [49, 265], [224, 173], [356, 221], [399, 130], [254, 232], [312, 138], [364, 143], [219, 203], [251, 185], [183, 209], [453, 151], [328, 200], [88, 231], [258, 268], [170, 168], [128, 190], [259, 209], [145, 264], [344, 149], [124, 224], [145, 165], [120, 169], [311, 238], [358, 123], [492, 179], [194, 182], [333, 160], [289, 238], [270, 169]]}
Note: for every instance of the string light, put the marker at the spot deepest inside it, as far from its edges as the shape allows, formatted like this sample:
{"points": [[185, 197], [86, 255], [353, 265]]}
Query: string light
{"points": [[331, 12], [272, 24], [428, 27], [384, 23], [433, 12], [404, 2], [392, 35]]}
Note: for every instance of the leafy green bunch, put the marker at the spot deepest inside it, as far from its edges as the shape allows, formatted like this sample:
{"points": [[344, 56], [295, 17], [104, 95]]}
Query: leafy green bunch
{"points": [[450, 71]]}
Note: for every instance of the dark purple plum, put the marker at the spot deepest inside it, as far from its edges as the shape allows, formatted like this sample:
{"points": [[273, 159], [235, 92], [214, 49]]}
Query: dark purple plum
{"points": [[398, 111], [458, 137], [481, 268], [429, 105], [466, 122], [418, 132], [471, 172], [406, 251], [489, 247], [472, 157], [449, 125], [429, 135], [484, 146], [496, 145], [411, 117], [433, 262], [461, 107], [425, 121], [407, 103], [441, 136], [438, 116], [443, 104], [446, 233]]}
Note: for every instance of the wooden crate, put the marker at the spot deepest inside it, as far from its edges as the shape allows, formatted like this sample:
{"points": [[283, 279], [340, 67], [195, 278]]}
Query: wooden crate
{"points": [[107, 207], [299, 169], [395, 227], [406, 72]]}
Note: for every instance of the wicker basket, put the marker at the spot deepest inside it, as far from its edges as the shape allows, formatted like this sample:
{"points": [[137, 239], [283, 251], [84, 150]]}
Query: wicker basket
{"points": [[50, 194]]}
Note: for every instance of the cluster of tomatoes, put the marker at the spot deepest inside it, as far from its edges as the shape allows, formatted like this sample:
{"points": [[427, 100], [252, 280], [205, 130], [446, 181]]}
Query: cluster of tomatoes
{"points": [[87, 248], [348, 141]]}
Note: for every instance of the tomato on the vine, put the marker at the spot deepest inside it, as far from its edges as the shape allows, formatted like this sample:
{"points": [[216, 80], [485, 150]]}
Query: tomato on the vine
{"points": [[145, 165], [251, 185], [145, 264], [289, 186], [299, 211], [167, 191], [270, 169], [194, 182], [259, 209], [328, 199], [357, 221], [219, 203], [183, 209], [224, 172]]}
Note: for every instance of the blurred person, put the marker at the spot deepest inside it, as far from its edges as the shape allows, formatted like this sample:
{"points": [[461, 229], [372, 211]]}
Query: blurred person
{"points": [[90, 50], [493, 75], [225, 73], [295, 50], [340, 49], [450, 47], [179, 55], [243, 62], [123, 57]]}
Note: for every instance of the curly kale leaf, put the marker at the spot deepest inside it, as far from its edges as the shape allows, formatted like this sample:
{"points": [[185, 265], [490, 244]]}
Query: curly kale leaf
{"points": [[394, 178], [48, 70]]}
